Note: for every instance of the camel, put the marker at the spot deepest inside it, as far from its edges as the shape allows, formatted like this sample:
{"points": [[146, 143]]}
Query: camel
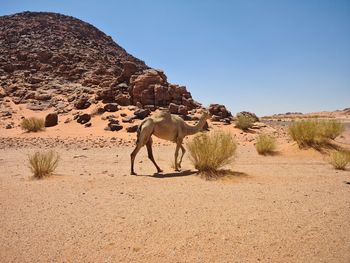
{"points": [[168, 127]]}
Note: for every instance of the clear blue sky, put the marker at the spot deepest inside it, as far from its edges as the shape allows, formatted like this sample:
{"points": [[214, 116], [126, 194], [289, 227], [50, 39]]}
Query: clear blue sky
{"points": [[257, 55]]}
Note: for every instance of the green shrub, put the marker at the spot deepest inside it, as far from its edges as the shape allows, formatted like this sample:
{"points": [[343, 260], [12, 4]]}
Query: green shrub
{"points": [[244, 122], [339, 159], [209, 152], [43, 163], [315, 132], [265, 144], [33, 124]]}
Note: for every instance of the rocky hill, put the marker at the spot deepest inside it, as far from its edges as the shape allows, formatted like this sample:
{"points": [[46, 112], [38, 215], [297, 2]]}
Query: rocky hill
{"points": [[52, 60]]}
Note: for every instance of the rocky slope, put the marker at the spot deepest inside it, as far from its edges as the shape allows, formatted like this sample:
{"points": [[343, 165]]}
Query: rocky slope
{"points": [[49, 60]]}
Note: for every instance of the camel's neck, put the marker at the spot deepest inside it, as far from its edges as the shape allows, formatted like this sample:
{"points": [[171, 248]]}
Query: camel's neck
{"points": [[190, 130]]}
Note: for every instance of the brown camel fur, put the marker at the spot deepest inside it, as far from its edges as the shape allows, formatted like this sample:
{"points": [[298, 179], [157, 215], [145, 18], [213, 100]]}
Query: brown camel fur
{"points": [[168, 127]]}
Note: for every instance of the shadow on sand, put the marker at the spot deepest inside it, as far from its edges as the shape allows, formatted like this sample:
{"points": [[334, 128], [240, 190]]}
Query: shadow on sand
{"points": [[222, 174], [173, 174], [324, 147]]}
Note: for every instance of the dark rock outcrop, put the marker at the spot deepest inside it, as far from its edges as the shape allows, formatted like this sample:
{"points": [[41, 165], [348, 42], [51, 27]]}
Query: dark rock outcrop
{"points": [[46, 55], [220, 113]]}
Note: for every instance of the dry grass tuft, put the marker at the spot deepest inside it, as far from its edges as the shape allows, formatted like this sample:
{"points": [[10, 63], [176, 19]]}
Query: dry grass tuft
{"points": [[43, 163], [33, 124], [244, 122], [209, 152], [265, 144], [332, 129], [339, 159], [315, 133]]}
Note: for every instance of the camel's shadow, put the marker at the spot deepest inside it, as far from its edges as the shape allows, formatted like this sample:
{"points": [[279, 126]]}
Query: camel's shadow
{"points": [[173, 174]]}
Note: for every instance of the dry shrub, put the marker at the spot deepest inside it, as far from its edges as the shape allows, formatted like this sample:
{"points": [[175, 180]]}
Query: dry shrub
{"points": [[265, 144], [33, 124], [315, 132], [210, 152], [332, 129], [244, 122], [339, 159], [43, 163]]}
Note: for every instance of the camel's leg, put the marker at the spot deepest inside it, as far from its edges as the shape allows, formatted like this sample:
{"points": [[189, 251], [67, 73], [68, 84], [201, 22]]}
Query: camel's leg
{"points": [[150, 154], [183, 153], [178, 145], [133, 155], [143, 137]]}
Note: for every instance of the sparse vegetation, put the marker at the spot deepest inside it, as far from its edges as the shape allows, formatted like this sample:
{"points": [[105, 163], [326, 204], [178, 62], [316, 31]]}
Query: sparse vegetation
{"points": [[43, 163], [265, 144], [209, 152], [315, 132], [244, 122], [339, 159], [33, 124], [332, 129]]}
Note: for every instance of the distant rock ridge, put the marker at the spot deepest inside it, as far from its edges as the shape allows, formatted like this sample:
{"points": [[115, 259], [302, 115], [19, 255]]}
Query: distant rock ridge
{"points": [[53, 60]]}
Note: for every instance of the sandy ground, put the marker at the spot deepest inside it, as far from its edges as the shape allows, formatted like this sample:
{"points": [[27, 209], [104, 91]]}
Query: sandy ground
{"points": [[290, 207]]}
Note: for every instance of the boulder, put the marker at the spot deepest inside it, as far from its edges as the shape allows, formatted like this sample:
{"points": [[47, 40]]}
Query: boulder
{"points": [[129, 69], [150, 107], [51, 120], [82, 103], [173, 108], [99, 111], [182, 110], [248, 114], [219, 110], [123, 99], [129, 119], [142, 86], [142, 113], [42, 96], [84, 118], [107, 94], [115, 127], [111, 107], [132, 128], [161, 95]]}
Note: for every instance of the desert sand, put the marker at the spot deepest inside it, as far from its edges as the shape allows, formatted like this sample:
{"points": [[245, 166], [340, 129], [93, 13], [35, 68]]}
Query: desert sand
{"points": [[289, 207], [292, 206]]}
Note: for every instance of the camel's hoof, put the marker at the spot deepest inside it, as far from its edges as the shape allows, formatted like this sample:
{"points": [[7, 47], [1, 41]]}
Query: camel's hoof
{"points": [[177, 170], [160, 171], [133, 173]]}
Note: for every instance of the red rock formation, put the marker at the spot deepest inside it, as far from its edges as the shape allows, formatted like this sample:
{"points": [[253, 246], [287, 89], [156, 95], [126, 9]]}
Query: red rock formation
{"points": [[43, 55]]}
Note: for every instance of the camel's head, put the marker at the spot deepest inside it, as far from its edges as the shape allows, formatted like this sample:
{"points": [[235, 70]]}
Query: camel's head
{"points": [[206, 115]]}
